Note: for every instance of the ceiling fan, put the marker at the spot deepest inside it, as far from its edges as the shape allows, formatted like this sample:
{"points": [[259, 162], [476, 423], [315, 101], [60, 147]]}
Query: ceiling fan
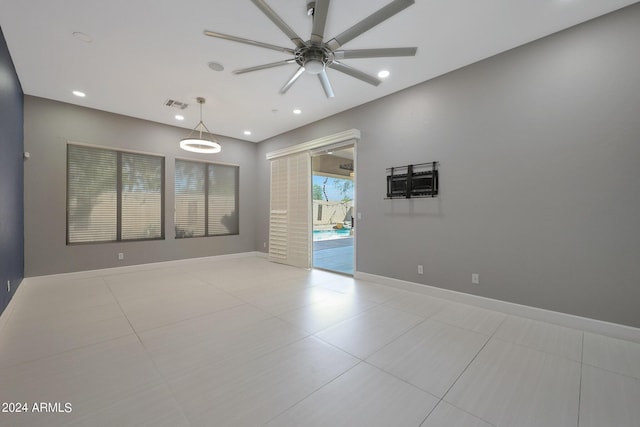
{"points": [[315, 55]]}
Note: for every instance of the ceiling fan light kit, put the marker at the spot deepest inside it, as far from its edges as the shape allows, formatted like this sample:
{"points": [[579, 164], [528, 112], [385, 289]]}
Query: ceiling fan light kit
{"points": [[199, 144], [315, 55]]}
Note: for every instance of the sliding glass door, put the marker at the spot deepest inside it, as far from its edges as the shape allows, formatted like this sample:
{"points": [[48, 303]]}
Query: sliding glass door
{"points": [[333, 209]]}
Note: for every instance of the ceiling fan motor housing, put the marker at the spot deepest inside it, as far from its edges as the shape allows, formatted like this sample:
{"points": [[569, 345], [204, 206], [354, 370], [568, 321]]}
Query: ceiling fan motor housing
{"points": [[314, 59]]}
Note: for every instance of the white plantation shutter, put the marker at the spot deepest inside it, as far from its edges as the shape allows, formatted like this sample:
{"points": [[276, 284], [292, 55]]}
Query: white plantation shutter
{"points": [[278, 211], [289, 221]]}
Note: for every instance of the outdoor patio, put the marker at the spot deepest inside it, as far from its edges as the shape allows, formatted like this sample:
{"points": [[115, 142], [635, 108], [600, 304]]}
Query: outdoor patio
{"points": [[334, 254]]}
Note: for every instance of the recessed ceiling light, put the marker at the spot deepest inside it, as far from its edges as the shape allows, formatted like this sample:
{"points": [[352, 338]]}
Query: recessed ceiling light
{"points": [[297, 111], [179, 117], [216, 66], [79, 94], [383, 74], [82, 36], [247, 132]]}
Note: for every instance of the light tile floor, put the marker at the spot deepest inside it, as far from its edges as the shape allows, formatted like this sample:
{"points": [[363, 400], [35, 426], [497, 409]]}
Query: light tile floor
{"points": [[245, 342]]}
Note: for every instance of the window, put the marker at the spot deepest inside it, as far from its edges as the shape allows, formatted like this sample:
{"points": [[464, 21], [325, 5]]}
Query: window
{"points": [[113, 195], [206, 199]]}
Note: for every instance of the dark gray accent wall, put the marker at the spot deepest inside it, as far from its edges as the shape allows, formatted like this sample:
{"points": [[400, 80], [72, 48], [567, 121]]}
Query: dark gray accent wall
{"points": [[49, 125], [11, 177], [539, 151]]}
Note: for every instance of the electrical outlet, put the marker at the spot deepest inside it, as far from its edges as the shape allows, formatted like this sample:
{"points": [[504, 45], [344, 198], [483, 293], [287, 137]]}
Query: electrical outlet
{"points": [[264, 244], [420, 269], [475, 279], [9, 286], [120, 256]]}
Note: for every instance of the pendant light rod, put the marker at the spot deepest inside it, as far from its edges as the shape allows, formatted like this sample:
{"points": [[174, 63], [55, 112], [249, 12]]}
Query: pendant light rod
{"points": [[200, 144], [201, 124]]}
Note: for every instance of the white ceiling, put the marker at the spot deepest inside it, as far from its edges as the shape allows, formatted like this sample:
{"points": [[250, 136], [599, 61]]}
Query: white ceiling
{"points": [[145, 51]]}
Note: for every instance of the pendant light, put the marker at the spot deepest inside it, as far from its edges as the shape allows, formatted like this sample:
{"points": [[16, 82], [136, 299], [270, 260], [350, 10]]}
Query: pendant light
{"points": [[199, 144]]}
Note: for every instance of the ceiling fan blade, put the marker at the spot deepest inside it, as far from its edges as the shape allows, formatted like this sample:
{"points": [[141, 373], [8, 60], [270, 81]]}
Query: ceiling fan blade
{"points": [[319, 21], [369, 22], [375, 53], [262, 67], [360, 75], [326, 84], [247, 41], [292, 80], [273, 16]]}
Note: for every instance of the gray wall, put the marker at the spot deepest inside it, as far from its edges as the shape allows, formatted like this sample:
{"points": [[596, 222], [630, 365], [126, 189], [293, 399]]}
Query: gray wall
{"points": [[48, 127], [11, 178], [539, 150]]}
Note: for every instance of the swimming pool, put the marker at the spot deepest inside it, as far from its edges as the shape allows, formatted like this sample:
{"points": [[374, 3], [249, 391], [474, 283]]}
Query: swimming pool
{"points": [[331, 234]]}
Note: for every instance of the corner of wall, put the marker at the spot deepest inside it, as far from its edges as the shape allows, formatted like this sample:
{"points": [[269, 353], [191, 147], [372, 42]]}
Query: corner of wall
{"points": [[12, 176]]}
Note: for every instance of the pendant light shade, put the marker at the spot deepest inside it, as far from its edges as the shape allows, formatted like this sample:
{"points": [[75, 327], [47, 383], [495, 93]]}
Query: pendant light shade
{"points": [[196, 143]]}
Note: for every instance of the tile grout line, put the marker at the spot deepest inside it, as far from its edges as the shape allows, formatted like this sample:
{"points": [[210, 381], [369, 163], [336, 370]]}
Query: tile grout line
{"points": [[365, 312], [429, 317], [161, 377], [69, 350], [421, 323], [459, 409], [631, 377], [538, 350], [472, 360], [304, 306], [208, 314], [207, 284], [465, 370], [424, 319], [580, 383], [79, 347], [305, 335], [277, 316], [430, 412], [360, 361], [338, 348], [314, 334]]}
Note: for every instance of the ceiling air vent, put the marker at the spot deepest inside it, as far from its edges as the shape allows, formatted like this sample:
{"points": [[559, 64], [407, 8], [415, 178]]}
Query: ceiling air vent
{"points": [[175, 104]]}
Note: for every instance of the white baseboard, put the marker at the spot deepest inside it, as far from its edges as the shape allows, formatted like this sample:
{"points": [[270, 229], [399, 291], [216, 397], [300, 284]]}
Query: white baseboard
{"points": [[139, 267], [562, 319]]}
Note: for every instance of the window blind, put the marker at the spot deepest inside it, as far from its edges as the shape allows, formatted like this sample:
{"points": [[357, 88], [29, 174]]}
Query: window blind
{"points": [[206, 199], [141, 196], [222, 200], [113, 195], [92, 195], [190, 199]]}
